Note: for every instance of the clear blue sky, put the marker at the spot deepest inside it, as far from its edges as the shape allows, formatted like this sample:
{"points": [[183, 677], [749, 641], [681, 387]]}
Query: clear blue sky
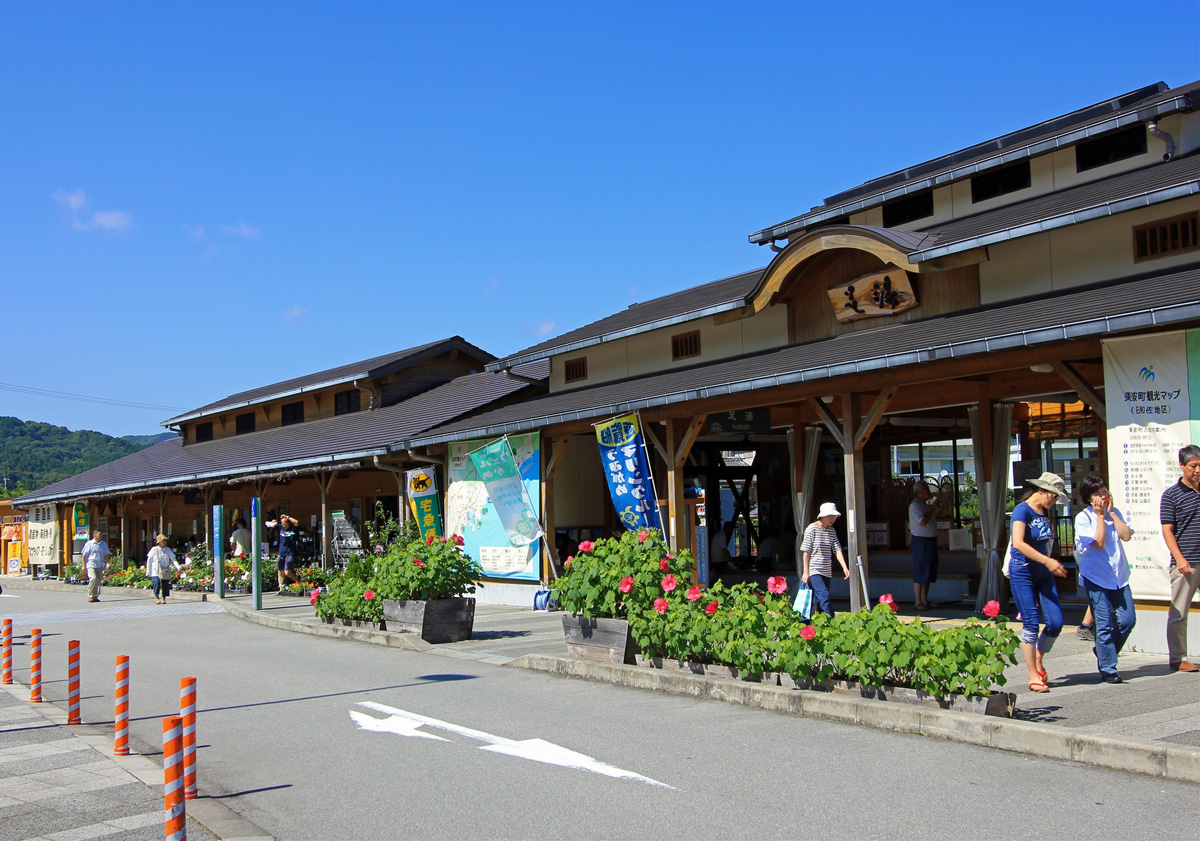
{"points": [[206, 197]]}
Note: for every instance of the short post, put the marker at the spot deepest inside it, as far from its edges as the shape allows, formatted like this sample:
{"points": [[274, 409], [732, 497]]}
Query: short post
{"points": [[121, 710], [35, 666], [73, 683], [187, 712], [174, 807], [6, 652]]}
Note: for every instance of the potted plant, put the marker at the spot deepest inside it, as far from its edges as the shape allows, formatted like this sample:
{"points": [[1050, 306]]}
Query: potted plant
{"points": [[424, 585], [611, 582]]}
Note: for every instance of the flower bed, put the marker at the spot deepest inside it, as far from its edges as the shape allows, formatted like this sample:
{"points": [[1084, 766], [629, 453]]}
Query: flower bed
{"points": [[739, 626]]}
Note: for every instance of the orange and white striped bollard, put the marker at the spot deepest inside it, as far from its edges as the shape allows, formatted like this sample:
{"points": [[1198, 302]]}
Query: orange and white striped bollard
{"points": [[6, 652], [121, 709], [187, 711], [73, 683], [173, 803], [35, 666]]}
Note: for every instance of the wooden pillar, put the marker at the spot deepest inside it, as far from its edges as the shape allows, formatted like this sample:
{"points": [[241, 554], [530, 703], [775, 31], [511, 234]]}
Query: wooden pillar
{"points": [[553, 449], [121, 513], [681, 435], [856, 500], [325, 483], [162, 512]]}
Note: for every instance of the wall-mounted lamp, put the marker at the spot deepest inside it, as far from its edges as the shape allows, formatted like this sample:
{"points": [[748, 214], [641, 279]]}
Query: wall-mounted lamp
{"points": [[827, 400], [1044, 368]]}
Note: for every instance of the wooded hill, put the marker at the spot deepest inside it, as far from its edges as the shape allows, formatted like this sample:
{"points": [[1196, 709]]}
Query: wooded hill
{"points": [[33, 455]]}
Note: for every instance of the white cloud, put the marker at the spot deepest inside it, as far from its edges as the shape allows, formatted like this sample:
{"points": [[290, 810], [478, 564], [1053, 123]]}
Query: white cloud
{"points": [[74, 204], [543, 329], [294, 313], [196, 232], [242, 229]]}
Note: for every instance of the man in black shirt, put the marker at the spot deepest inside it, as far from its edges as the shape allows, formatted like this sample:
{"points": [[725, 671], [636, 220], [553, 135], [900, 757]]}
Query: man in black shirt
{"points": [[1180, 516], [289, 544]]}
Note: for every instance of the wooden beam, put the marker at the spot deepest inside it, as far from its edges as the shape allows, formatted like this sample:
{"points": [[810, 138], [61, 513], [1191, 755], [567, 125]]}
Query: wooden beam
{"points": [[1082, 387], [674, 488], [831, 422], [653, 438], [873, 416], [689, 438]]}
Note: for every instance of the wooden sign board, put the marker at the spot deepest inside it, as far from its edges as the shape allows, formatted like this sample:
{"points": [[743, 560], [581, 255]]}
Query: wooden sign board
{"points": [[879, 293]]}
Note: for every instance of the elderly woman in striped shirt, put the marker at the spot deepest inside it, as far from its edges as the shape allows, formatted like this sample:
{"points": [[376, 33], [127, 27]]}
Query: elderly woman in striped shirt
{"points": [[818, 548]]}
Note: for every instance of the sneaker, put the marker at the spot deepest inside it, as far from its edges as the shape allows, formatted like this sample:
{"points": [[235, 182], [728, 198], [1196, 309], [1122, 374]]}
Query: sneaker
{"points": [[1086, 632]]}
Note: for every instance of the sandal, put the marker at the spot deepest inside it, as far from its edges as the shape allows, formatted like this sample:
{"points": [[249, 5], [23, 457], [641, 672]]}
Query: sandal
{"points": [[1042, 675], [1038, 686]]}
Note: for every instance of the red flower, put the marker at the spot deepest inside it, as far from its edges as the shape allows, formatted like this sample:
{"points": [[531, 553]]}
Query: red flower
{"points": [[626, 584], [711, 607], [776, 584], [586, 546], [887, 599], [663, 565], [669, 555], [669, 583], [660, 605], [567, 563], [458, 541], [693, 593], [808, 632], [642, 535], [429, 540], [316, 594], [418, 562], [370, 594], [992, 609]]}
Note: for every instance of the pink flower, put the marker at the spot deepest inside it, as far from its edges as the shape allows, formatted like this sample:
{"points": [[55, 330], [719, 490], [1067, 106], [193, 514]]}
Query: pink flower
{"points": [[711, 607], [458, 541], [887, 599], [626, 584], [808, 632], [992, 609], [378, 547], [370, 594], [693, 593], [642, 535], [660, 605], [776, 584], [567, 563], [669, 555], [669, 583], [429, 540], [316, 594], [586, 546], [663, 565], [418, 562]]}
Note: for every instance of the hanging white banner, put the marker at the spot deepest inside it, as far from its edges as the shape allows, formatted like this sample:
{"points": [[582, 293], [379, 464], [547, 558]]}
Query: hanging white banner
{"points": [[1148, 399]]}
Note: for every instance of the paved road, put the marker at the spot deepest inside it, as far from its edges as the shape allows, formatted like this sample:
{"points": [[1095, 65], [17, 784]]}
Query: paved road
{"points": [[281, 747]]}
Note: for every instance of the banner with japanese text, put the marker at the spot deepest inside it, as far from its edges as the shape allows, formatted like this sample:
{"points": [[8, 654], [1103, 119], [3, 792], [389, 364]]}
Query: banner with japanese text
{"points": [[472, 511], [43, 535], [627, 470], [424, 500], [497, 469], [1151, 392]]}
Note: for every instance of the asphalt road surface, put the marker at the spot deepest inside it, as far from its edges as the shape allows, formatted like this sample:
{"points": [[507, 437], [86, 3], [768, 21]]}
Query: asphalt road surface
{"points": [[328, 739]]}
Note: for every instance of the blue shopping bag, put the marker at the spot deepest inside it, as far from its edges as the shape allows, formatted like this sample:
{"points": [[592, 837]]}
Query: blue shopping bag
{"points": [[803, 603]]}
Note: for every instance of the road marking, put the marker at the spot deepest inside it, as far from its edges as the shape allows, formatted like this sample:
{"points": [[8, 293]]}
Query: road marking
{"points": [[103, 614], [404, 723]]}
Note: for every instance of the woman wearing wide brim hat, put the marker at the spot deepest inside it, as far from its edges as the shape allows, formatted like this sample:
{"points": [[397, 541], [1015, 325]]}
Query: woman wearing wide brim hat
{"points": [[160, 566], [817, 549], [1032, 572]]}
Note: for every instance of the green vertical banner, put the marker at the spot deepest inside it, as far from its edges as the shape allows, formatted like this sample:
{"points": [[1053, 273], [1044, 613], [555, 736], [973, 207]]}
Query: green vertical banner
{"points": [[1193, 369], [80, 516], [217, 550], [424, 500]]}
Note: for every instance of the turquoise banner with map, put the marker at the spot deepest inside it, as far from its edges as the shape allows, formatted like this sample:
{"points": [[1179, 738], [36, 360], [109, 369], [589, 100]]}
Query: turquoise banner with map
{"points": [[472, 514]]}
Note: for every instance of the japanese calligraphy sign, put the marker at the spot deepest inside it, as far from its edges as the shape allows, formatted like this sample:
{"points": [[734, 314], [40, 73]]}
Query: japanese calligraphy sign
{"points": [[424, 501], [497, 469], [623, 454], [43, 534], [473, 508], [1152, 399], [879, 293], [80, 516]]}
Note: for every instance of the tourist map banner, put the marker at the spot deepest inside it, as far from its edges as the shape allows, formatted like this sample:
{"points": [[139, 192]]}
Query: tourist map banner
{"points": [[471, 512], [1152, 399], [424, 500], [496, 467], [623, 453]]}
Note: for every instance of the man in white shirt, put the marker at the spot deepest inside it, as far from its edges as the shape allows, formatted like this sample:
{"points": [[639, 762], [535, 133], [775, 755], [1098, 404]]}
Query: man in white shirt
{"points": [[95, 559], [240, 540]]}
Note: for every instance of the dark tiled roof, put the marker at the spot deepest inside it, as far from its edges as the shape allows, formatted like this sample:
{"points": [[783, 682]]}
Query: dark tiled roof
{"points": [[326, 441], [706, 299], [1153, 101], [342, 374], [1165, 298]]}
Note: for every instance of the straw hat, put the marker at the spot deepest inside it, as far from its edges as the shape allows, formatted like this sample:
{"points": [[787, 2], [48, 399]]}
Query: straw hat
{"points": [[828, 509], [1049, 482], [162, 538]]}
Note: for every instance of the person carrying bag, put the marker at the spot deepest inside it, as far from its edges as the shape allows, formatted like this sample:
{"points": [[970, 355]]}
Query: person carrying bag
{"points": [[160, 566]]}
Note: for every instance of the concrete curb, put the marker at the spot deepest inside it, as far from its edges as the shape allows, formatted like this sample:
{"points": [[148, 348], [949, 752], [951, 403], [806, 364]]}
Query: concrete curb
{"points": [[1159, 759], [213, 815], [388, 639]]}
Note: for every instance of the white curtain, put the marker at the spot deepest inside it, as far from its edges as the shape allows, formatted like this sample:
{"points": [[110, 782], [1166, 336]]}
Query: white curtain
{"points": [[802, 486], [993, 493]]}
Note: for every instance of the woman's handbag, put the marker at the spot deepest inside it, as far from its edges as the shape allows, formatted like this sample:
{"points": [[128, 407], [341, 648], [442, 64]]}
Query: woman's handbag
{"points": [[804, 599]]}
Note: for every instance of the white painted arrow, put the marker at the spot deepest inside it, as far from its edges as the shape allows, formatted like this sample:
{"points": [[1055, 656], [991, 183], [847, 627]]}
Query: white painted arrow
{"points": [[404, 723]]}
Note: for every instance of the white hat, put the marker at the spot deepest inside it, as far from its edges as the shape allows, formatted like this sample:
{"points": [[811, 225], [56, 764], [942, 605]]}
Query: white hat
{"points": [[828, 509]]}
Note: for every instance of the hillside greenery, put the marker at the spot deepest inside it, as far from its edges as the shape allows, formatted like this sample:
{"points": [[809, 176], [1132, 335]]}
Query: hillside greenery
{"points": [[33, 454]]}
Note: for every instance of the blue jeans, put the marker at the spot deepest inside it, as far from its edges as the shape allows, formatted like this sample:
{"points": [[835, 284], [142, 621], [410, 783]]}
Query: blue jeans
{"points": [[1037, 598], [821, 600], [1112, 611]]}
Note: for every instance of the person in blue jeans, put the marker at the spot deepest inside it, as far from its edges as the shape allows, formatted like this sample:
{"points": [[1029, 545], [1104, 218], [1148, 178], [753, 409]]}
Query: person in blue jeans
{"points": [[817, 549], [1032, 572], [1099, 532]]}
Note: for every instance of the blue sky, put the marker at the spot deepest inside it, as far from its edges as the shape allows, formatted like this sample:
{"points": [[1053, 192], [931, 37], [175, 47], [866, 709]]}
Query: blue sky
{"points": [[202, 198]]}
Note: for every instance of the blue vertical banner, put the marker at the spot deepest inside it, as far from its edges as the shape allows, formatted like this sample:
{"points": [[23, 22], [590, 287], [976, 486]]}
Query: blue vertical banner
{"points": [[623, 453], [217, 550]]}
